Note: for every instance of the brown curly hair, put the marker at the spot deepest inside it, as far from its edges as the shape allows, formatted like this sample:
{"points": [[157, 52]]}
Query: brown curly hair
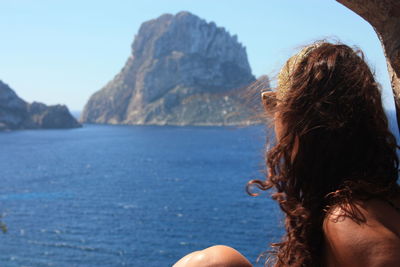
{"points": [[334, 150]]}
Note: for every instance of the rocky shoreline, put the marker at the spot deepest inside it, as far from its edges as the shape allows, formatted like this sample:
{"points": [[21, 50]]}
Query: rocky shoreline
{"points": [[16, 114]]}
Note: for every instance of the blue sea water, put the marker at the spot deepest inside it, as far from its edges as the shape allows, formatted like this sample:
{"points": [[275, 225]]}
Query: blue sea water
{"points": [[131, 195]]}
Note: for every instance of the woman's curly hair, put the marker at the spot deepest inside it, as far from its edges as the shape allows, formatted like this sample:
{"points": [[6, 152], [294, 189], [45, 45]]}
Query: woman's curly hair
{"points": [[335, 149]]}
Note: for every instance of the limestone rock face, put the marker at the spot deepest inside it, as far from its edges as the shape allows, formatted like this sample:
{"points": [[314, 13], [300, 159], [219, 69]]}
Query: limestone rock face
{"points": [[182, 71], [15, 113]]}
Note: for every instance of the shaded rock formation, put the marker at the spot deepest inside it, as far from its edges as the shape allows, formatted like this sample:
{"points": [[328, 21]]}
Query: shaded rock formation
{"points": [[15, 113], [182, 71]]}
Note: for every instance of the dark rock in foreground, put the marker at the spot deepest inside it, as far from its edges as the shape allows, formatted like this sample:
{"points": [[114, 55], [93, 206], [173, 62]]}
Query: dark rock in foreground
{"points": [[182, 71], [16, 114]]}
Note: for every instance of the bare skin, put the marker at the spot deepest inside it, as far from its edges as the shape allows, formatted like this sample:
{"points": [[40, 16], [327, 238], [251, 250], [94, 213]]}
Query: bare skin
{"points": [[215, 256], [374, 243]]}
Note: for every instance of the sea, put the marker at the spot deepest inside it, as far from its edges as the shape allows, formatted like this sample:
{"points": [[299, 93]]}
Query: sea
{"points": [[107, 195]]}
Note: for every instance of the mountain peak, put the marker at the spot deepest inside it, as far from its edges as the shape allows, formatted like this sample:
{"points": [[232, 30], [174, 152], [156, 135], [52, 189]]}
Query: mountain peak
{"points": [[176, 60]]}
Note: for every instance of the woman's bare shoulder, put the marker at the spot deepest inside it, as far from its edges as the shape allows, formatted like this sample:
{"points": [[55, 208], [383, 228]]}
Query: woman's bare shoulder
{"points": [[215, 256], [370, 240]]}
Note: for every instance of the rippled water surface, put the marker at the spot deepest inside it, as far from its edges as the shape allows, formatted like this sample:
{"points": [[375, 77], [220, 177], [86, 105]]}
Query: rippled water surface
{"points": [[131, 195]]}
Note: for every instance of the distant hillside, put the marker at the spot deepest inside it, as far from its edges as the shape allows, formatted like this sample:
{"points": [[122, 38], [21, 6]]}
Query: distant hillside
{"points": [[15, 113], [182, 71]]}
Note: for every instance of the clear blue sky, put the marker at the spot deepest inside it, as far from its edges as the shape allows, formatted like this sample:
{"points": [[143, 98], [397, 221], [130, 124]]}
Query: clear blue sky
{"points": [[63, 51]]}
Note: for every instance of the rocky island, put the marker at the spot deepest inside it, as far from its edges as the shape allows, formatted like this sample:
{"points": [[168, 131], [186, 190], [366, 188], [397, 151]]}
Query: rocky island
{"points": [[182, 71], [17, 114]]}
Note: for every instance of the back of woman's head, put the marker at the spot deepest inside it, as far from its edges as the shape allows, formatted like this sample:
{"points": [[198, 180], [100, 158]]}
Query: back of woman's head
{"points": [[334, 145]]}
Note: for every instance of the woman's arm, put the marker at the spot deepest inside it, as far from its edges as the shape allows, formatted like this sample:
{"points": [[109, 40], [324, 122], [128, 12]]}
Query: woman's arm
{"points": [[215, 256]]}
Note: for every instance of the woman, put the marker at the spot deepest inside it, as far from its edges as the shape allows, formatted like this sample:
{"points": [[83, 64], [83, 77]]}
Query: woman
{"points": [[333, 169]]}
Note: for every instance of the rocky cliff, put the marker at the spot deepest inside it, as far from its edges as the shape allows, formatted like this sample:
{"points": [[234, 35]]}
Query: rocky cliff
{"points": [[15, 113], [182, 71]]}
